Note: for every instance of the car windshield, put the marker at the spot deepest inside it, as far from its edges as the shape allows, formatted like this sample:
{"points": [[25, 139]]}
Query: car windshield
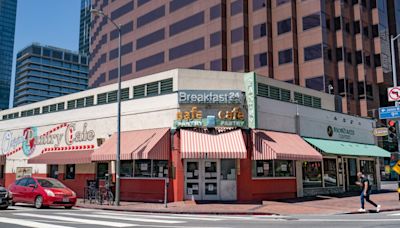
{"points": [[50, 183]]}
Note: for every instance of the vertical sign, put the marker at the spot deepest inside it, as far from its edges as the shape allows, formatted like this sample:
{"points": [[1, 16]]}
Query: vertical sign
{"points": [[251, 98]]}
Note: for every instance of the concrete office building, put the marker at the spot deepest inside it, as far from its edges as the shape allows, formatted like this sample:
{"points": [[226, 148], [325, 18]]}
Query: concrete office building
{"points": [[310, 43], [8, 13], [84, 26], [44, 72]]}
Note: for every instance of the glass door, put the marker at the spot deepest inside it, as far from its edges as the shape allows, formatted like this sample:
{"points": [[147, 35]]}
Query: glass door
{"points": [[352, 172], [210, 180], [192, 180]]}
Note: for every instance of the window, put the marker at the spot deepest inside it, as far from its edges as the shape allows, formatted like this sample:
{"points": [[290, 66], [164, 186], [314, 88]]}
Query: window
{"points": [[102, 170], [215, 39], [311, 21], [284, 26], [330, 174], [151, 16], [356, 27], [125, 49], [375, 31], [228, 167], [273, 168], [198, 67], [142, 2], [151, 38], [30, 181], [368, 169], [186, 49], [316, 83], [126, 168], [281, 2], [152, 89], [142, 168], [358, 57], [166, 86], [1, 171], [312, 174], [122, 10], [138, 91], [112, 96], [285, 56], [102, 98], [236, 7], [259, 31], [366, 31], [216, 64], [339, 54], [22, 182], [215, 12], [377, 60], [237, 35], [124, 94], [258, 4], [71, 104], [126, 28], [70, 172], [312, 52], [186, 24], [338, 23], [150, 61], [89, 101], [260, 60], [160, 168], [53, 171], [177, 4], [238, 63]]}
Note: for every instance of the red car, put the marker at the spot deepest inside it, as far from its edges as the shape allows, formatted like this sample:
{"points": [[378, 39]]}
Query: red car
{"points": [[42, 192]]}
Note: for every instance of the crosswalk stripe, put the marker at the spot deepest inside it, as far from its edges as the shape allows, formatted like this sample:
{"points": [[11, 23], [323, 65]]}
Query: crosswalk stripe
{"points": [[123, 218], [163, 216], [397, 214], [28, 223], [77, 220]]}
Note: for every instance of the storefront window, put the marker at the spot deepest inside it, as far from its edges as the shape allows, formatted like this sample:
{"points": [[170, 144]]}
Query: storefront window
{"points": [[160, 168], [70, 172], [312, 174], [330, 174], [368, 169], [53, 171], [283, 168], [126, 168], [1, 171], [228, 169], [102, 170], [263, 168], [142, 168]]}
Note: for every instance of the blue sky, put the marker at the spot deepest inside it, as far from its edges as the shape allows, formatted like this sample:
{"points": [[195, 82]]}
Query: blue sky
{"points": [[49, 22]]}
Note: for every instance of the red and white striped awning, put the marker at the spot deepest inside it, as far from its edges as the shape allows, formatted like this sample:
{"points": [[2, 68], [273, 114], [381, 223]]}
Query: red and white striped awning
{"points": [[229, 145], [270, 145], [63, 157], [140, 144]]}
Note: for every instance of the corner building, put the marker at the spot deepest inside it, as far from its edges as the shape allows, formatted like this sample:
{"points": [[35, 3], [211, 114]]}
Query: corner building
{"points": [[211, 135], [338, 47]]}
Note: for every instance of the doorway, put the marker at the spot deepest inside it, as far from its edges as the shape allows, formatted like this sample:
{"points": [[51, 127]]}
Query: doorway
{"points": [[351, 174]]}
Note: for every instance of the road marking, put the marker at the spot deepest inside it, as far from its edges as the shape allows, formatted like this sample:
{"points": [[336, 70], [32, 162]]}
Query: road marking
{"points": [[84, 221], [346, 220], [397, 214], [123, 218], [28, 223], [163, 216]]}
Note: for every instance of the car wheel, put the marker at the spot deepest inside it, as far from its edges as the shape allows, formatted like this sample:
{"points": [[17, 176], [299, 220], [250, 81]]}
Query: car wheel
{"points": [[68, 207], [39, 202]]}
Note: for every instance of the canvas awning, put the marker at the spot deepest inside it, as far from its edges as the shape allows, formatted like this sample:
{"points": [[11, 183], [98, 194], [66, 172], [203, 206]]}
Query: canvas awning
{"points": [[199, 145], [140, 144], [63, 157], [270, 145], [347, 148]]}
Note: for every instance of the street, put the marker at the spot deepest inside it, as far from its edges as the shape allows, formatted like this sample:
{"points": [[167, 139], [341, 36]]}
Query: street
{"points": [[25, 216]]}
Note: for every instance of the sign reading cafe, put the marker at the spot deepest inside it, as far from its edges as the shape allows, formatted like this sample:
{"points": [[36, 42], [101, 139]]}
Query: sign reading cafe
{"points": [[64, 134], [210, 97]]}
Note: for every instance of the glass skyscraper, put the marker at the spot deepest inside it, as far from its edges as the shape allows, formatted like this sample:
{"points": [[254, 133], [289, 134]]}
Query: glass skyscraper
{"points": [[8, 12], [84, 27], [44, 72]]}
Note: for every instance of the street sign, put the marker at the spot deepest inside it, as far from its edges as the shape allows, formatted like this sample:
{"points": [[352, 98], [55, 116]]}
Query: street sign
{"points": [[391, 112], [394, 94], [382, 131], [396, 167]]}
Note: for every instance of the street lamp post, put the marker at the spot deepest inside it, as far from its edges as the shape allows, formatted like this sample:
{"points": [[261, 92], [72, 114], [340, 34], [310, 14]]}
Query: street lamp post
{"points": [[117, 160], [394, 73]]}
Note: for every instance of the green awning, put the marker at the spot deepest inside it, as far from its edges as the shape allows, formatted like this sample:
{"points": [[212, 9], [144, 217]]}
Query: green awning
{"points": [[347, 148]]}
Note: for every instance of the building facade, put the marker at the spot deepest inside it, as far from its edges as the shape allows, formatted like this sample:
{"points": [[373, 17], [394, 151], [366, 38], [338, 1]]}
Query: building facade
{"points": [[339, 47], [84, 27], [44, 72], [8, 13], [211, 135]]}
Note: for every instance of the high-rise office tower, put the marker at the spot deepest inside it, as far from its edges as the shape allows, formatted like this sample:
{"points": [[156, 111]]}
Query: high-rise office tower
{"points": [[8, 13], [84, 27], [44, 72], [338, 46]]}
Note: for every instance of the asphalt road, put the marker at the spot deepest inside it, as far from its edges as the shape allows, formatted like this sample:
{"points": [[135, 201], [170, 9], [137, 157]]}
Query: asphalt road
{"points": [[24, 216]]}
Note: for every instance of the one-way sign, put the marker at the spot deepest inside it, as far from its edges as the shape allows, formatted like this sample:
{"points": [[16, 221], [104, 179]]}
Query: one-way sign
{"points": [[391, 112]]}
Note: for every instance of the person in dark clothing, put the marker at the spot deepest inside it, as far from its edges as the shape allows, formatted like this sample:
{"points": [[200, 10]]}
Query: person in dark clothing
{"points": [[366, 192]]}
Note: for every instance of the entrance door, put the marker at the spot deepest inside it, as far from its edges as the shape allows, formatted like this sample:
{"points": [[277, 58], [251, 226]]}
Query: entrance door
{"points": [[202, 181], [352, 173]]}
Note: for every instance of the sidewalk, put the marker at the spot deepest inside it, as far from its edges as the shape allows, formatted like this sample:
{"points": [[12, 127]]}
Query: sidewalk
{"points": [[316, 205]]}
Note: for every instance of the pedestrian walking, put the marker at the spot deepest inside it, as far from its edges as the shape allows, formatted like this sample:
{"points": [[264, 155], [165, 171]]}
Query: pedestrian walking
{"points": [[366, 192]]}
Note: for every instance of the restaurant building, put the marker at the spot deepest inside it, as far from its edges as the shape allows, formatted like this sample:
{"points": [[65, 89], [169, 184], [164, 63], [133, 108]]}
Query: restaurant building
{"points": [[206, 135]]}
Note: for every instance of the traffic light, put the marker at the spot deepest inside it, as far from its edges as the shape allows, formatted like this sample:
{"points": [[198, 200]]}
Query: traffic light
{"points": [[392, 134]]}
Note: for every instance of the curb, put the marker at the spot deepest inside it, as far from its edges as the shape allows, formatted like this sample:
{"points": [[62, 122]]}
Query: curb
{"points": [[180, 212], [372, 211]]}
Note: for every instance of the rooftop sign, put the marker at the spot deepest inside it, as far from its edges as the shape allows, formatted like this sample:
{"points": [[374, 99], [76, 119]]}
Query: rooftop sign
{"points": [[210, 97]]}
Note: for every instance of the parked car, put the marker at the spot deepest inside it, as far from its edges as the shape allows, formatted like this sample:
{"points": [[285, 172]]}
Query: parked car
{"points": [[42, 192], [5, 198]]}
